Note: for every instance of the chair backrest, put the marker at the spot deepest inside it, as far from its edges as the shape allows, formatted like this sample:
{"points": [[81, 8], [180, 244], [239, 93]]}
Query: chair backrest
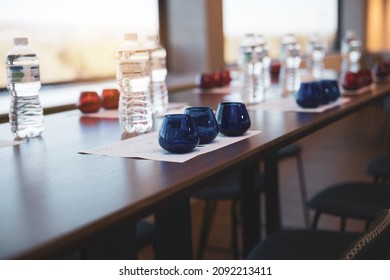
{"points": [[374, 243]]}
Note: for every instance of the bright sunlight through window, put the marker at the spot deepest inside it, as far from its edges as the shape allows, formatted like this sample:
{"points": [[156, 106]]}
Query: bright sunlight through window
{"points": [[75, 40], [273, 19]]}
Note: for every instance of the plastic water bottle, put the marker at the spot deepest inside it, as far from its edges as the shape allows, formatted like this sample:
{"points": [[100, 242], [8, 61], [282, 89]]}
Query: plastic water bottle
{"points": [[315, 56], [318, 60], [246, 48], [133, 77], [293, 61], [158, 73], [261, 51], [349, 36], [354, 54], [26, 113], [288, 39], [251, 67], [350, 52]]}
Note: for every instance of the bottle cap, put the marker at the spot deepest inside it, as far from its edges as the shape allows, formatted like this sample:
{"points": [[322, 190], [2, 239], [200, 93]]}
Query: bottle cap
{"points": [[20, 41], [289, 38], [131, 36]]}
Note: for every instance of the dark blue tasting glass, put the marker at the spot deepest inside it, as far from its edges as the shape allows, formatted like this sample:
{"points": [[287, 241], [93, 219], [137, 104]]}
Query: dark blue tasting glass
{"points": [[233, 118], [205, 122], [325, 90], [308, 95], [178, 134], [330, 90], [334, 90]]}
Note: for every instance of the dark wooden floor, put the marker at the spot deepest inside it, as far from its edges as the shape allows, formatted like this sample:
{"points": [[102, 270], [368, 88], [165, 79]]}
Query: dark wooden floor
{"points": [[336, 153]]}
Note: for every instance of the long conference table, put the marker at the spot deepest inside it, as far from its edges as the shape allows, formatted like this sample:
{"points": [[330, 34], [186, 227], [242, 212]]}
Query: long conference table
{"points": [[54, 201]]}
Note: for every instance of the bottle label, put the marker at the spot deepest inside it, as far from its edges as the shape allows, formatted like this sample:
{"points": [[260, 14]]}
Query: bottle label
{"points": [[133, 69], [247, 57], [23, 74]]}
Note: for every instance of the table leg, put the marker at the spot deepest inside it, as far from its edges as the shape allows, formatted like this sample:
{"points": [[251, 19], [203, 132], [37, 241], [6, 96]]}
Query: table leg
{"points": [[271, 182], [173, 232], [250, 209], [117, 245]]}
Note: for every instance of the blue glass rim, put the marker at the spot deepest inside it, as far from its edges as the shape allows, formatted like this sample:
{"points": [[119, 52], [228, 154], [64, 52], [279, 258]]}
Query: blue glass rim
{"points": [[308, 83], [231, 103], [327, 81], [198, 108], [177, 116]]}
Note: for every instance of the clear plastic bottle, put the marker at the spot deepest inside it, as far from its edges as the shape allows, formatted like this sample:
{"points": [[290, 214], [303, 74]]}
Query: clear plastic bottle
{"points": [[26, 113], [349, 36], [251, 67], [315, 56], [133, 77], [158, 73], [293, 62], [351, 53], [318, 60], [247, 45], [313, 39], [288, 39], [263, 56], [354, 55]]}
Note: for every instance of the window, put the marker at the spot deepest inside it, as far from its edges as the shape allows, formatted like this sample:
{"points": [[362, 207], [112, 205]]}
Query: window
{"points": [[378, 26], [75, 40], [273, 19]]}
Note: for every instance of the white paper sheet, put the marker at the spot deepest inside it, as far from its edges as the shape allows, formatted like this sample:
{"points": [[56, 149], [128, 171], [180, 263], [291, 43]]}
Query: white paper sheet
{"points": [[288, 104], [146, 146], [4, 143], [173, 108]]}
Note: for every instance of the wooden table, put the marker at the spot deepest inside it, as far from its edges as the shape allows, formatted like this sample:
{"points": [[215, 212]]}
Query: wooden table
{"points": [[54, 200]]}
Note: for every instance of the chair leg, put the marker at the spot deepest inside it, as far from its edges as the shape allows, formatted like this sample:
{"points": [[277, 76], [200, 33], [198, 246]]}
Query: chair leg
{"points": [[234, 225], [317, 215], [208, 216], [302, 184]]}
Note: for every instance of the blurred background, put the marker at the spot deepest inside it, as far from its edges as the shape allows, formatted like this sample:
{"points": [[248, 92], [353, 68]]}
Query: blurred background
{"points": [[77, 40]]}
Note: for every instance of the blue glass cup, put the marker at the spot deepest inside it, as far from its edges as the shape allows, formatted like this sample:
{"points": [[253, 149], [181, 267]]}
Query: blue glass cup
{"points": [[334, 89], [325, 90], [205, 122], [308, 95], [233, 118], [330, 90], [178, 134]]}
